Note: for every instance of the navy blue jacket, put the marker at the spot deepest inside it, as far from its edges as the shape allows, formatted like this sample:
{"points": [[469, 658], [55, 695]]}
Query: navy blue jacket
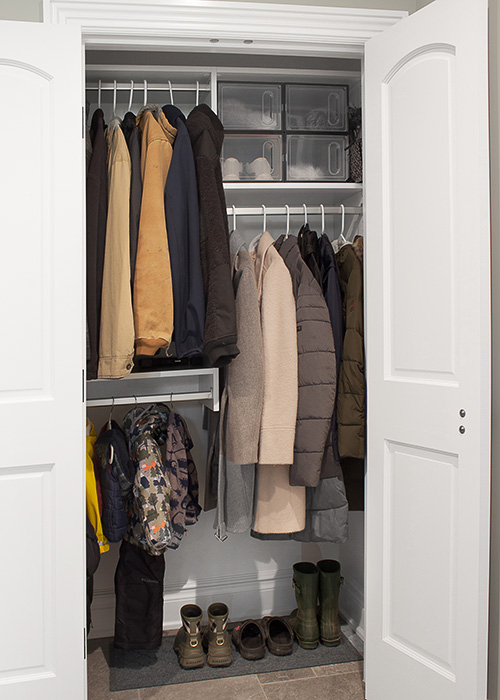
{"points": [[183, 232], [116, 475]]}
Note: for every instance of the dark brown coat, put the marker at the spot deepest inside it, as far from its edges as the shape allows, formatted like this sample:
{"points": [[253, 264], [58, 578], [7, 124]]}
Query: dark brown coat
{"points": [[317, 371], [351, 399]]}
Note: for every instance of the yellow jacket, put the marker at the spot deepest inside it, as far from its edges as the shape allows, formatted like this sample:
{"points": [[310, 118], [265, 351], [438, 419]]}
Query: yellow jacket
{"points": [[92, 501]]}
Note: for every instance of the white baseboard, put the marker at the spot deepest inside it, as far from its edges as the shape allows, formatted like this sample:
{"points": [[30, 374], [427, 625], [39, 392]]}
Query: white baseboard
{"points": [[247, 596], [251, 595], [352, 606]]}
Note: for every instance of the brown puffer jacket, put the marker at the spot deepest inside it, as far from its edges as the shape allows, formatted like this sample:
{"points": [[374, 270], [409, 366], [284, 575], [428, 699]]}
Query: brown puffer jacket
{"points": [[351, 399], [317, 370]]}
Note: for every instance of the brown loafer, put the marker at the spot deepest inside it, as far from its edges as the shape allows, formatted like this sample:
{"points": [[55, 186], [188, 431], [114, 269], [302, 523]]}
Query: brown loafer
{"points": [[279, 635], [250, 640]]}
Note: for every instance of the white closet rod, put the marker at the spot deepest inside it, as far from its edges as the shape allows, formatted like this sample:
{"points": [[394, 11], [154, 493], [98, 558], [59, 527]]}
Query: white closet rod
{"points": [[293, 211], [138, 87], [155, 398]]}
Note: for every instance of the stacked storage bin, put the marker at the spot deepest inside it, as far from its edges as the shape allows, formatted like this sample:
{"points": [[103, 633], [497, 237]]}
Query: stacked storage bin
{"points": [[302, 137]]}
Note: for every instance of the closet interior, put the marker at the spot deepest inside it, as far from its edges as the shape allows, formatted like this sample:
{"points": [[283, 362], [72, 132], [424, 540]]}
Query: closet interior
{"points": [[251, 576]]}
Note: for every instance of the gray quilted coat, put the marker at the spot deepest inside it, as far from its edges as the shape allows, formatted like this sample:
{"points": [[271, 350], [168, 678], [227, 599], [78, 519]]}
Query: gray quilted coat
{"points": [[317, 367]]}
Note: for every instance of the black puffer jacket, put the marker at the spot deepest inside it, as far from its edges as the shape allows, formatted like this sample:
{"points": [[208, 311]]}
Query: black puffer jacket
{"points": [[207, 135], [317, 369]]}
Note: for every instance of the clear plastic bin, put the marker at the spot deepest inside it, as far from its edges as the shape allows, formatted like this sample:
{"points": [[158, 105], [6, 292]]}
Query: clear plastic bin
{"points": [[250, 157], [311, 158], [316, 108], [250, 106]]}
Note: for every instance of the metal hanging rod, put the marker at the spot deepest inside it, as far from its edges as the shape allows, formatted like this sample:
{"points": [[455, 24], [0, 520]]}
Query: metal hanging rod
{"points": [[292, 211], [138, 87], [154, 398]]}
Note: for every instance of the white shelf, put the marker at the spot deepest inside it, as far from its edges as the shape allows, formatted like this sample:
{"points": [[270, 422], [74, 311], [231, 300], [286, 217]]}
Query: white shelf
{"points": [[350, 187], [188, 384]]}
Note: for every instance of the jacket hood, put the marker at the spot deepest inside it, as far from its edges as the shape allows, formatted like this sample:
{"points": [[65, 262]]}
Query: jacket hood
{"points": [[173, 113], [202, 119]]}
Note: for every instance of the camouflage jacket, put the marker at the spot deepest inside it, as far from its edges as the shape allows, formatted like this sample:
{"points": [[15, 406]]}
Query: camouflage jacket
{"points": [[184, 507], [150, 522]]}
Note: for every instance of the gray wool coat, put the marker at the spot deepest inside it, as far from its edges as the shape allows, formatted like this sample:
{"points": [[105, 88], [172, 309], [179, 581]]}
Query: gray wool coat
{"points": [[241, 402], [317, 374]]}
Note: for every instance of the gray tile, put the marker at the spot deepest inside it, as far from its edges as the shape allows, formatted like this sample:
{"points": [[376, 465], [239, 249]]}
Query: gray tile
{"points": [[241, 687], [290, 675], [331, 669], [341, 686], [98, 676]]}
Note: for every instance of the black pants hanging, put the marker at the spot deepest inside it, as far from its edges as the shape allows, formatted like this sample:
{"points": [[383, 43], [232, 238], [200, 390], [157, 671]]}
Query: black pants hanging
{"points": [[139, 598]]}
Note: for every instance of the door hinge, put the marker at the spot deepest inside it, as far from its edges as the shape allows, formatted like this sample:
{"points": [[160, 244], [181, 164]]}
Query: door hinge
{"points": [[83, 386], [84, 643]]}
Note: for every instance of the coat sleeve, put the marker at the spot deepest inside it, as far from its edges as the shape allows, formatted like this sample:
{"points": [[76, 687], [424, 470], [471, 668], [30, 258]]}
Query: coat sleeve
{"points": [[279, 337]]}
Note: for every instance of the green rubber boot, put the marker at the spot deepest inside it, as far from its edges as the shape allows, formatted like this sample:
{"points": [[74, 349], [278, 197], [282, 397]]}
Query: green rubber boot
{"points": [[304, 620], [187, 642], [216, 639], [329, 585]]}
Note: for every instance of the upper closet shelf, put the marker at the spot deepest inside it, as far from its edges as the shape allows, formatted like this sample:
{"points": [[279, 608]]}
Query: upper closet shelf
{"points": [[200, 384]]}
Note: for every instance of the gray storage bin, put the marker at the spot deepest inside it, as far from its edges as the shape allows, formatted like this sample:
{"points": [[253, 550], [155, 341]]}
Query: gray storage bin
{"points": [[317, 158], [251, 157], [249, 106], [316, 108]]}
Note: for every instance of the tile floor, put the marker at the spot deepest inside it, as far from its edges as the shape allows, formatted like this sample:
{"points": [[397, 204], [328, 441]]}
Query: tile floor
{"points": [[339, 681]]}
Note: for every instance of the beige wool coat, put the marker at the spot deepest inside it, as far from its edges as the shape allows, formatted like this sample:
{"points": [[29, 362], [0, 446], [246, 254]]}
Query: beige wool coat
{"points": [[153, 295], [116, 338], [280, 508]]}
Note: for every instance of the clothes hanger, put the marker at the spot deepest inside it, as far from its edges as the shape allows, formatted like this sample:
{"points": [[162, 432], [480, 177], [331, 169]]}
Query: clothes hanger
{"points": [[145, 92], [287, 221], [99, 94], [111, 412], [342, 240], [264, 217], [131, 96], [234, 217], [171, 92], [305, 215], [114, 98], [322, 207], [197, 93]]}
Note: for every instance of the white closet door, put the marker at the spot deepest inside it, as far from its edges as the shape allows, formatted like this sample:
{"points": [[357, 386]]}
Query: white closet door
{"points": [[42, 468], [428, 352]]}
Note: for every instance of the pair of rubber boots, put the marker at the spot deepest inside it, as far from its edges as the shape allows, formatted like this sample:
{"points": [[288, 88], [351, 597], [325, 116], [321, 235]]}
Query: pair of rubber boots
{"points": [[191, 643], [310, 623]]}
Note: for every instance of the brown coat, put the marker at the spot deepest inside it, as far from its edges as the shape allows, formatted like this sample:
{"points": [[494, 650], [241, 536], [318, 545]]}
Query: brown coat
{"points": [[351, 399], [153, 296]]}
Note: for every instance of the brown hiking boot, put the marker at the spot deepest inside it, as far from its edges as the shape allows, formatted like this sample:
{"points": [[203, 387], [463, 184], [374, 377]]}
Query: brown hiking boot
{"points": [[187, 643], [216, 639]]}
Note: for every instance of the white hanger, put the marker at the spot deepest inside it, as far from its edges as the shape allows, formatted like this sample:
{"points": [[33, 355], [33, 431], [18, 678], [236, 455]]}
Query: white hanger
{"points": [[342, 239], [171, 93], [322, 218], [287, 221], [131, 95], [234, 217], [99, 94], [264, 215], [197, 93], [305, 214], [114, 97], [145, 92]]}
